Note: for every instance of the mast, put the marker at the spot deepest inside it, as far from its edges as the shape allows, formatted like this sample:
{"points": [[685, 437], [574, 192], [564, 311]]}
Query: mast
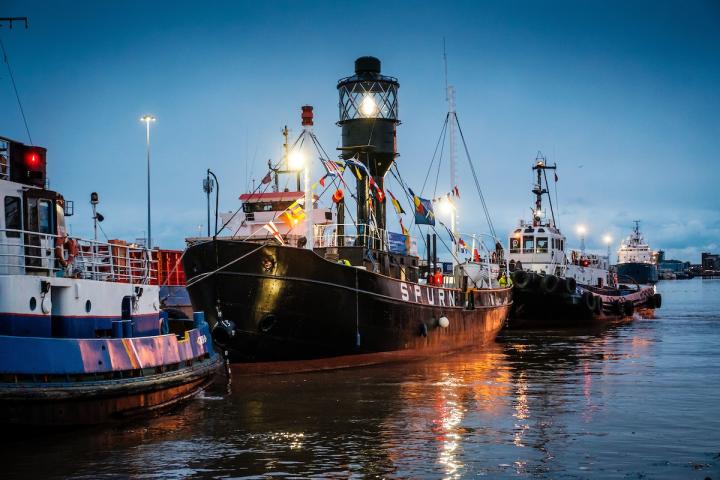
{"points": [[307, 124], [450, 97], [538, 189]]}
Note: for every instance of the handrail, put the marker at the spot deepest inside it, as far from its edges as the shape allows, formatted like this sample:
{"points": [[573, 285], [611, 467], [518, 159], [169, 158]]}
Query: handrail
{"points": [[23, 252]]}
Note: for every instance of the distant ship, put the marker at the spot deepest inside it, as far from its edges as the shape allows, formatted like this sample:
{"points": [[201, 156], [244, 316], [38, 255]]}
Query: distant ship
{"points": [[635, 259]]}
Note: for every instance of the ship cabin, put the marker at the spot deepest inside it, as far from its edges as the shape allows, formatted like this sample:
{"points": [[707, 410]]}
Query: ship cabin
{"points": [[52, 285], [539, 248], [590, 269], [258, 209]]}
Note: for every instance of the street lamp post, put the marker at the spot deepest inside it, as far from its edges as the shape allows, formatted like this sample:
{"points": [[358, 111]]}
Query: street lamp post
{"points": [[147, 119], [608, 240], [581, 230]]}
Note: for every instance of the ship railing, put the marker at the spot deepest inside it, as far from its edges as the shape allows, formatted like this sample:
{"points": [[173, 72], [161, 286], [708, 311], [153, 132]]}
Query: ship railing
{"points": [[350, 234], [25, 252]]}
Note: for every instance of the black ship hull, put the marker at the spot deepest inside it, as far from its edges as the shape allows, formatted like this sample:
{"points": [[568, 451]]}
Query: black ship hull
{"points": [[642, 273], [567, 305], [289, 304]]}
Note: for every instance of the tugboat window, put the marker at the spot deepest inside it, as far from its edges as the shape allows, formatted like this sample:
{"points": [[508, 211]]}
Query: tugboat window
{"points": [[44, 217], [542, 245], [528, 244], [12, 216]]}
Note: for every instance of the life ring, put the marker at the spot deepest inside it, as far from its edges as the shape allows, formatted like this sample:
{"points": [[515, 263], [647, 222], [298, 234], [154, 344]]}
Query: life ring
{"points": [[62, 244]]}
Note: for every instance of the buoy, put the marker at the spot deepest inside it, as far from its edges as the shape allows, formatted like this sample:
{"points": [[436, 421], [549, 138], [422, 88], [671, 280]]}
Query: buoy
{"points": [[45, 304], [444, 322]]}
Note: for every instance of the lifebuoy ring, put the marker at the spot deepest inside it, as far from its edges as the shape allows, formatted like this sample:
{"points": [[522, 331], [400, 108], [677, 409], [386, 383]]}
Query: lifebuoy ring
{"points": [[62, 244]]}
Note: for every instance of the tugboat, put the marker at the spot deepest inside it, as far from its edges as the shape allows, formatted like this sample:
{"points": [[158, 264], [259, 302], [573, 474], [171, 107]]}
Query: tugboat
{"points": [[635, 259], [338, 296], [554, 290], [82, 337]]}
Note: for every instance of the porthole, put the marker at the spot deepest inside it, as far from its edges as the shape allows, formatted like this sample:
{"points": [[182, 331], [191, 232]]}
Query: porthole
{"points": [[88, 306], [33, 304]]}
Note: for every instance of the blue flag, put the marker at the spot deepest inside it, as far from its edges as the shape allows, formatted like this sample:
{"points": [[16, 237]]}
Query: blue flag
{"points": [[424, 214]]}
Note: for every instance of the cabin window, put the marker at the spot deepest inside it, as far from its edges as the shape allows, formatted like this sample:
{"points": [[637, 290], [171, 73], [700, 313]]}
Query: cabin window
{"points": [[542, 245], [514, 245], [44, 216], [528, 244], [562, 244], [12, 216]]}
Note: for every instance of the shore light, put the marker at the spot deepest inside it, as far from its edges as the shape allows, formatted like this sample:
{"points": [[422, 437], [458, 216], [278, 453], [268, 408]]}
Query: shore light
{"points": [[581, 230]]}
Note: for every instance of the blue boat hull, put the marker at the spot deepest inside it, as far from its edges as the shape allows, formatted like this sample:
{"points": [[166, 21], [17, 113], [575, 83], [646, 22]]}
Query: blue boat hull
{"points": [[642, 273]]}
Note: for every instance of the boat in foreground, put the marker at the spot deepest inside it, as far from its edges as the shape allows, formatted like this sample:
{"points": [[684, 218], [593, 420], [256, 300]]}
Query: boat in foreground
{"points": [[553, 290], [82, 337], [339, 290]]}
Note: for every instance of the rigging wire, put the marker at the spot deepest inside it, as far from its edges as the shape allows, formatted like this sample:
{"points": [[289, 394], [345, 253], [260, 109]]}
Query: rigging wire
{"points": [[17, 95], [437, 145], [477, 183], [552, 212]]}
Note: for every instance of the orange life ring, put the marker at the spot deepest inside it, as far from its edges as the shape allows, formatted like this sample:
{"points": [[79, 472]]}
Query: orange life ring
{"points": [[62, 244]]}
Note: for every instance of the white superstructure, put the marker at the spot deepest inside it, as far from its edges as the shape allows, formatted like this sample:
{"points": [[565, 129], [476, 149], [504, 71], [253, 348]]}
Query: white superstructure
{"points": [[634, 249]]}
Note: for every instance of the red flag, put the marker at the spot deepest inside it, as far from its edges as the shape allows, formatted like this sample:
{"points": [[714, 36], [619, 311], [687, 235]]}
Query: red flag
{"points": [[267, 178]]}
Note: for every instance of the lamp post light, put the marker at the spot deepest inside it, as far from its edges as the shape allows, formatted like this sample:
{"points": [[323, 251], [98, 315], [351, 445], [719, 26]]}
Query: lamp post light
{"points": [[581, 230], [608, 240], [147, 119]]}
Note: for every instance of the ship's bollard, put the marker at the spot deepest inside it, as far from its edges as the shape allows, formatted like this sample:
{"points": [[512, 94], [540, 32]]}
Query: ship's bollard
{"points": [[198, 319], [117, 328]]}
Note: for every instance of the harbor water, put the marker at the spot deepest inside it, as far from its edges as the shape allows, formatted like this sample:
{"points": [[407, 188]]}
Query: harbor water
{"points": [[632, 400]]}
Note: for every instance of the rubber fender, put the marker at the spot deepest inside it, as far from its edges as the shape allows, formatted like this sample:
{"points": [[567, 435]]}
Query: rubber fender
{"points": [[650, 302], [550, 284], [223, 331], [657, 300], [588, 301], [520, 278], [629, 308], [617, 307], [570, 285], [598, 306]]}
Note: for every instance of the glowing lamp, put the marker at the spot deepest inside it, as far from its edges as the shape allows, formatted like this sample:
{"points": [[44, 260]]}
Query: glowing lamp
{"points": [[32, 160], [581, 230], [296, 160], [368, 107], [607, 239]]}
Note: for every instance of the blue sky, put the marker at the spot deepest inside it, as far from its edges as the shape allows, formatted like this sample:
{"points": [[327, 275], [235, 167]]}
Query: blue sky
{"points": [[622, 95]]}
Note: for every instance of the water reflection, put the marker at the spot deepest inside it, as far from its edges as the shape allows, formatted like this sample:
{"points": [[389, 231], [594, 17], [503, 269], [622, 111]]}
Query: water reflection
{"points": [[553, 404]]}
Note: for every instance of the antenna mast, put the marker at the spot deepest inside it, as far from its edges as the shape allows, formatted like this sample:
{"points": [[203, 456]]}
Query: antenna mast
{"points": [[450, 97]]}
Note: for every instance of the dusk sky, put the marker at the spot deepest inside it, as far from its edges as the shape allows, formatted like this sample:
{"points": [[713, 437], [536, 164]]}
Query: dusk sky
{"points": [[623, 96]]}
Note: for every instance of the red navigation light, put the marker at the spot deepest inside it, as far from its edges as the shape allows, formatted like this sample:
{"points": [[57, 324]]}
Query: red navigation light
{"points": [[32, 159]]}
